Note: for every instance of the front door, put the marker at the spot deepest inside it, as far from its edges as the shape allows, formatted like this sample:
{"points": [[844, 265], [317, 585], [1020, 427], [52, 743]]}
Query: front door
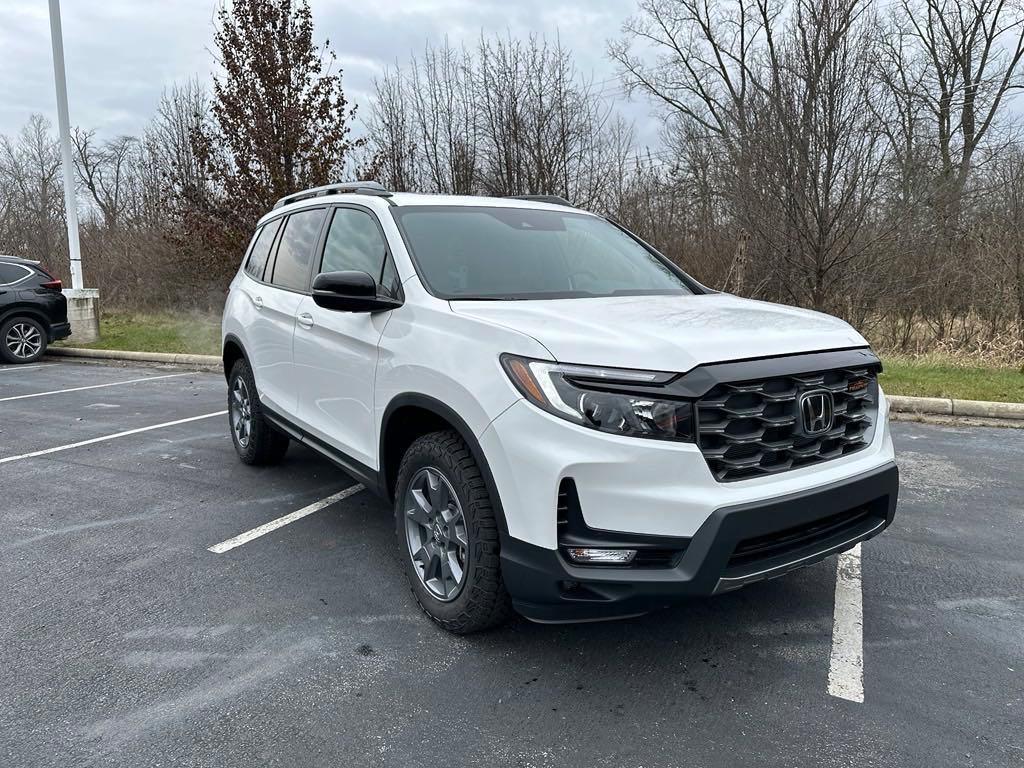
{"points": [[336, 352]]}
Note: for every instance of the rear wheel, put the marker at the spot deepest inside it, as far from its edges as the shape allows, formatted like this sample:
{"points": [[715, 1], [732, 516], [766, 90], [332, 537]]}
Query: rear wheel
{"points": [[256, 440], [448, 535], [22, 340]]}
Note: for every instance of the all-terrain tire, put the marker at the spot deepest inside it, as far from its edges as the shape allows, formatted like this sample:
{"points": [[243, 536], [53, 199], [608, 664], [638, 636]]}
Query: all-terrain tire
{"points": [[260, 443], [482, 602]]}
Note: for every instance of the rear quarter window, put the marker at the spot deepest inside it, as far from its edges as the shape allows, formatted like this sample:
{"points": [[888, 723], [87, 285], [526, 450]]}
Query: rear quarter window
{"points": [[13, 273], [260, 251]]}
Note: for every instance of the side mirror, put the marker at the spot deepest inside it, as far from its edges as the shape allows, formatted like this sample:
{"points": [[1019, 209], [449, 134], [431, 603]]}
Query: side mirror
{"points": [[350, 292]]}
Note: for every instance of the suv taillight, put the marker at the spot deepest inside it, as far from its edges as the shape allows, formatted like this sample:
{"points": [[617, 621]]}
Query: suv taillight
{"points": [[53, 283]]}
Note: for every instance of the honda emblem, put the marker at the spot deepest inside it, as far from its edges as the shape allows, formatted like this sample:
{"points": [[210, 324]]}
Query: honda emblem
{"points": [[816, 412]]}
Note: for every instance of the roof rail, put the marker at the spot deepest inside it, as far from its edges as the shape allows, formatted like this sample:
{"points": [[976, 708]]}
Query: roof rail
{"points": [[351, 187], [552, 199]]}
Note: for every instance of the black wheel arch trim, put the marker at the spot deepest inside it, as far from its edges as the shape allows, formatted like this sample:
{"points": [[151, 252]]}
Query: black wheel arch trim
{"points": [[31, 313], [459, 424], [232, 339]]}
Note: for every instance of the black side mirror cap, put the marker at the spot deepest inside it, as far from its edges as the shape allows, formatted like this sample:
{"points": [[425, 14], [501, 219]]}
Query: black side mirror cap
{"points": [[350, 291]]}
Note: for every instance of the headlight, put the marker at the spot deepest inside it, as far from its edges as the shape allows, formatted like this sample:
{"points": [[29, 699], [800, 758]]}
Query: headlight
{"points": [[609, 399]]}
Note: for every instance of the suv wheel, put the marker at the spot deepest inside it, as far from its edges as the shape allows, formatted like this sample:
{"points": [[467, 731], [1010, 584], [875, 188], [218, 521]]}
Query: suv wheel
{"points": [[22, 340], [448, 535], [256, 441]]}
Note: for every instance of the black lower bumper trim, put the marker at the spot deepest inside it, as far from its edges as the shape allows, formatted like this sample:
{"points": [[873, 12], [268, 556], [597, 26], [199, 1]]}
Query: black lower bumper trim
{"points": [[60, 331], [808, 526]]}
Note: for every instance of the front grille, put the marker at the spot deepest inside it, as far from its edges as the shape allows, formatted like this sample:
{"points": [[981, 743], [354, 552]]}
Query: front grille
{"points": [[753, 428]]}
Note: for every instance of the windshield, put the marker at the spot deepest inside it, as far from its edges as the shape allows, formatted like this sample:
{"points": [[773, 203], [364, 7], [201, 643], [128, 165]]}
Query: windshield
{"points": [[464, 252]]}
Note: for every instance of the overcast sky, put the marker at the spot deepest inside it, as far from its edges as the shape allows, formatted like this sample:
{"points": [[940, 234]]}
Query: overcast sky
{"points": [[121, 53]]}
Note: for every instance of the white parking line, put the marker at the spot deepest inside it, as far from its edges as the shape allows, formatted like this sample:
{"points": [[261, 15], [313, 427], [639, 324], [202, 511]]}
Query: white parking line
{"points": [[26, 367], [114, 436], [291, 517], [95, 386], [846, 664]]}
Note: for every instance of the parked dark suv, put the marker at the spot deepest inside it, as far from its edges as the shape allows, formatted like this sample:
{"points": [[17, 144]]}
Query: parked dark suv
{"points": [[33, 311]]}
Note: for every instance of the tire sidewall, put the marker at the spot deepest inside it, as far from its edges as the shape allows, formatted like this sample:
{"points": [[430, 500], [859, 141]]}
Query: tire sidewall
{"points": [[421, 456], [6, 353]]}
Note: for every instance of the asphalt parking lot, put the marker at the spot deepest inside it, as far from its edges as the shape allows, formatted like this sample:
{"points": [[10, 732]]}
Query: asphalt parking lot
{"points": [[125, 640]]}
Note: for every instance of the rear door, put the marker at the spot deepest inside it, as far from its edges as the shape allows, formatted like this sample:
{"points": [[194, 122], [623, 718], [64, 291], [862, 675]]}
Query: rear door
{"points": [[275, 301], [336, 352]]}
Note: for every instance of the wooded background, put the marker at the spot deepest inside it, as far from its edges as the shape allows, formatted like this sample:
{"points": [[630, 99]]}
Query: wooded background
{"points": [[860, 157]]}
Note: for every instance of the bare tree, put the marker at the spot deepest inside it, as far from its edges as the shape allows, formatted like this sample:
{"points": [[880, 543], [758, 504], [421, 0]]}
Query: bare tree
{"points": [[108, 172], [972, 50], [182, 114], [772, 114], [508, 117], [30, 174]]}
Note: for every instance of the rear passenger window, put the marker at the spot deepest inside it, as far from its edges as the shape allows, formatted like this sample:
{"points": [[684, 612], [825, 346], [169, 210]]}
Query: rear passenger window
{"points": [[295, 250], [261, 249]]}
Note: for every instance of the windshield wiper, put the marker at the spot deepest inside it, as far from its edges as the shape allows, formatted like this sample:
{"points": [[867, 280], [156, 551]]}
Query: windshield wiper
{"points": [[481, 298]]}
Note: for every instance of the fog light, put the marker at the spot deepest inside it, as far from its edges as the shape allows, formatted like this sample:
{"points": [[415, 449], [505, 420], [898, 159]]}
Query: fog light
{"points": [[605, 556]]}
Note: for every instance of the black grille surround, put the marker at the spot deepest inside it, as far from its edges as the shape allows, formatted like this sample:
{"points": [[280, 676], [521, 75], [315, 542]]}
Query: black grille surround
{"points": [[753, 428]]}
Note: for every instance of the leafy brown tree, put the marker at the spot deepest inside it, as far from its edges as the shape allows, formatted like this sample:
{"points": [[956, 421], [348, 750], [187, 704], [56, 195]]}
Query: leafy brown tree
{"points": [[279, 123]]}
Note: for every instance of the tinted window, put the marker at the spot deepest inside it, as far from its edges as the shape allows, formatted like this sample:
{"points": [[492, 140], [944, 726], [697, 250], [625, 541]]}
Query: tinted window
{"points": [[295, 250], [12, 273], [261, 249], [354, 241], [520, 253]]}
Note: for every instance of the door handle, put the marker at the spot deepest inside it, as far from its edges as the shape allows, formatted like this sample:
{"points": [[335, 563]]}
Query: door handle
{"points": [[258, 301], [305, 320]]}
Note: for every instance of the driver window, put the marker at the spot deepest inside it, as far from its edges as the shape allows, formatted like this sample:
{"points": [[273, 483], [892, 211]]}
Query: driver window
{"points": [[354, 242]]}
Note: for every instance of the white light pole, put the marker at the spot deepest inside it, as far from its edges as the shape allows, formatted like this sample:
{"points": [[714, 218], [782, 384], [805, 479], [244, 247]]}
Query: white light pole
{"points": [[64, 125], [83, 303]]}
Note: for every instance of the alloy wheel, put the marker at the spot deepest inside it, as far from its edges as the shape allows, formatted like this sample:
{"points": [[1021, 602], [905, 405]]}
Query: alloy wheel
{"points": [[435, 530], [24, 340], [241, 412]]}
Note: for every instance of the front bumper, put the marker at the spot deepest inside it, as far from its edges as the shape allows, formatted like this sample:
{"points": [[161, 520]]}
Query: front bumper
{"points": [[735, 546]]}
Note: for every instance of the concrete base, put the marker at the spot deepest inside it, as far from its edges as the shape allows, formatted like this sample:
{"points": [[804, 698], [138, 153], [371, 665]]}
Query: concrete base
{"points": [[83, 314]]}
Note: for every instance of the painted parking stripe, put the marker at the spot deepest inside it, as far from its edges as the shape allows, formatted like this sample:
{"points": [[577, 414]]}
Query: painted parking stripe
{"points": [[273, 525], [114, 436], [95, 386], [26, 367], [846, 664]]}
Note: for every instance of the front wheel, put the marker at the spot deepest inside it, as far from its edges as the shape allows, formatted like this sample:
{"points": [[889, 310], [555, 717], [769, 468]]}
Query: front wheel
{"points": [[448, 535], [22, 340], [256, 440]]}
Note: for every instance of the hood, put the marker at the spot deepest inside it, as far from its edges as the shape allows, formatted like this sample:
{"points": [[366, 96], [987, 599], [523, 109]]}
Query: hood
{"points": [[665, 333]]}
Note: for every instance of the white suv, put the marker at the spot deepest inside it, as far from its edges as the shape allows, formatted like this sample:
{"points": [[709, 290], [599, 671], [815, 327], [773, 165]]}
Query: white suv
{"points": [[566, 424]]}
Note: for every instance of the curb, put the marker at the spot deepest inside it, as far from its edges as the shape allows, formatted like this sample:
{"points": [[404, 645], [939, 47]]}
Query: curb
{"points": [[924, 406], [201, 361], [945, 406]]}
